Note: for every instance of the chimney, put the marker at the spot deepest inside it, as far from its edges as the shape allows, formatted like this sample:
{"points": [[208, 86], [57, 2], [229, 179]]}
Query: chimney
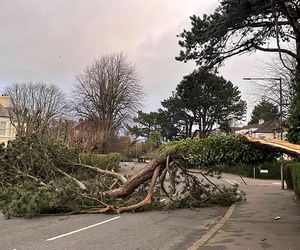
{"points": [[261, 121], [4, 100]]}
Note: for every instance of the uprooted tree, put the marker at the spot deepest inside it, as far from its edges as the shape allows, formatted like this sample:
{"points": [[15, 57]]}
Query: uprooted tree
{"points": [[38, 176]]}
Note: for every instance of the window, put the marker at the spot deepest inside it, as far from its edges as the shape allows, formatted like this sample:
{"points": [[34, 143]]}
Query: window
{"points": [[2, 128]]}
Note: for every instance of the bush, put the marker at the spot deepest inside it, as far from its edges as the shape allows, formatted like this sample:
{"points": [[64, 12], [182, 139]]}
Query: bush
{"points": [[247, 170], [294, 168], [103, 161]]}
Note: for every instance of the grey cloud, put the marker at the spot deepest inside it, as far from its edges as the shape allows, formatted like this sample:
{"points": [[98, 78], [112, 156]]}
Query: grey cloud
{"points": [[51, 41]]}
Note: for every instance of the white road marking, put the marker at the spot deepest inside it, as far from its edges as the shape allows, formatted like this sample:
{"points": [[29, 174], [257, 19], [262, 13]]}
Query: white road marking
{"points": [[81, 229], [235, 182], [229, 181]]}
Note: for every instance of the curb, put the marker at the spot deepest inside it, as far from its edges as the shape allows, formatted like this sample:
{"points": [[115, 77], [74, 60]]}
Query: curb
{"points": [[199, 243]]}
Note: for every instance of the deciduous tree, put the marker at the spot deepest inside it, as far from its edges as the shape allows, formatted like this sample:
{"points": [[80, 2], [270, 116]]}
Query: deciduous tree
{"points": [[107, 95], [35, 106]]}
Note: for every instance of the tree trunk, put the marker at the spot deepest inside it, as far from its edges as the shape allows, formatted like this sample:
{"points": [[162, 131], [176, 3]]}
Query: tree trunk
{"points": [[141, 177]]}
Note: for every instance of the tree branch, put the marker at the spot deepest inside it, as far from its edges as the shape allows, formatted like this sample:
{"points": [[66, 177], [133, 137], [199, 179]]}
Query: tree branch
{"points": [[288, 52]]}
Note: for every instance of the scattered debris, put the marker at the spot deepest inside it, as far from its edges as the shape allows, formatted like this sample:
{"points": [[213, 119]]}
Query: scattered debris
{"points": [[65, 218]]}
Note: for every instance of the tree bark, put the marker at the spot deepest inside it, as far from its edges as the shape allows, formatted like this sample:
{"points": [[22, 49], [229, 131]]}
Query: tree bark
{"points": [[141, 177], [148, 198]]}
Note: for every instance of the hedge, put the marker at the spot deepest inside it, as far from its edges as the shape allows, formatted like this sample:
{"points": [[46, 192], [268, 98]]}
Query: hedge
{"points": [[294, 168], [273, 168], [103, 161]]}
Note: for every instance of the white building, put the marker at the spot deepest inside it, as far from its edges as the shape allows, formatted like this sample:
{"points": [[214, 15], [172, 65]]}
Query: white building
{"points": [[7, 130]]}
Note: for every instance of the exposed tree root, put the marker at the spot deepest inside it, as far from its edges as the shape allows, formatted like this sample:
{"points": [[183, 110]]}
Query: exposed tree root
{"points": [[147, 199]]}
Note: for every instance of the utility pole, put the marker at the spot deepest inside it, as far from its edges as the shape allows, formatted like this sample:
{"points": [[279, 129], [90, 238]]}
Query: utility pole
{"points": [[280, 106], [281, 117]]}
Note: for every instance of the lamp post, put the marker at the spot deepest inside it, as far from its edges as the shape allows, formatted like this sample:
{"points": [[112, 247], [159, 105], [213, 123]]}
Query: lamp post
{"points": [[281, 113]]}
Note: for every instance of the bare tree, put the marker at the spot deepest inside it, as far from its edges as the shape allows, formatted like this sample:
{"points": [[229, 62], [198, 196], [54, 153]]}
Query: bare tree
{"points": [[107, 94], [271, 90], [34, 106]]}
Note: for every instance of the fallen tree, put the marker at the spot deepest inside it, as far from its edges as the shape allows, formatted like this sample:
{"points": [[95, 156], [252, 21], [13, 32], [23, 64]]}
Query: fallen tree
{"points": [[38, 176]]}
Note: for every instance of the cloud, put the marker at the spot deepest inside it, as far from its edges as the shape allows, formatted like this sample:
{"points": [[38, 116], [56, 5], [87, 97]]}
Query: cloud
{"points": [[52, 41]]}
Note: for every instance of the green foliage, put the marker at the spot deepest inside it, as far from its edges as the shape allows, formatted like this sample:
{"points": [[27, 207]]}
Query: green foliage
{"points": [[264, 110], [296, 179], [28, 199], [35, 156], [103, 161], [211, 99], [294, 119], [216, 151], [295, 171], [31, 184], [226, 197], [146, 123], [154, 139], [175, 119], [237, 27]]}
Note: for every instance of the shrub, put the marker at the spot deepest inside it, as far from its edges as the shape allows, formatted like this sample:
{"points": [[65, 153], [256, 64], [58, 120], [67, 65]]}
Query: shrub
{"points": [[247, 170], [295, 173]]}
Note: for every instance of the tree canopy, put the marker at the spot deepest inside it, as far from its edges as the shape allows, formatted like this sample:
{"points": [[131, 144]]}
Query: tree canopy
{"points": [[265, 110], [203, 99], [107, 95], [35, 107], [211, 99], [241, 26]]}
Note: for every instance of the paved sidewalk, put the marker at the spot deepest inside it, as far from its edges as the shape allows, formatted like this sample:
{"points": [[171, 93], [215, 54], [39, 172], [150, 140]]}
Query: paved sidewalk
{"points": [[252, 225]]}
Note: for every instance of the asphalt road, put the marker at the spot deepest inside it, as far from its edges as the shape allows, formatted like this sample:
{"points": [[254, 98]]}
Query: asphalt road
{"points": [[176, 229]]}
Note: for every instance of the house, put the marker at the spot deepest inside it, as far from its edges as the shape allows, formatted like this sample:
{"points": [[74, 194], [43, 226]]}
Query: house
{"points": [[246, 130], [271, 129], [7, 130]]}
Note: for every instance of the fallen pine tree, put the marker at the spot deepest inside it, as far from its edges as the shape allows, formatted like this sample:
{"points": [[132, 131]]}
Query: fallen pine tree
{"points": [[38, 176]]}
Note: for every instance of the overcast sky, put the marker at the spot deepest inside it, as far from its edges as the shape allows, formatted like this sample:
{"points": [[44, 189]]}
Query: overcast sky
{"points": [[51, 41]]}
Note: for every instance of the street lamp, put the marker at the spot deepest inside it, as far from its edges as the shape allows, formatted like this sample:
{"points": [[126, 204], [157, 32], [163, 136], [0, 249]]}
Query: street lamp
{"points": [[280, 110]]}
